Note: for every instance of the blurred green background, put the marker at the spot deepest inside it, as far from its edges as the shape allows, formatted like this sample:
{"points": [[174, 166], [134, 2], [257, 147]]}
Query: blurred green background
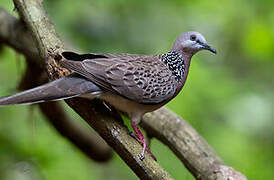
{"points": [[228, 98]]}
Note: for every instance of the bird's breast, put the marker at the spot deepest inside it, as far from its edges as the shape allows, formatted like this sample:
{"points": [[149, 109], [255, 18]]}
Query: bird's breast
{"points": [[126, 105]]}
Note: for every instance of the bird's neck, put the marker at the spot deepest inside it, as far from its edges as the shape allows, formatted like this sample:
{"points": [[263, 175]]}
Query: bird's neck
{"points": [[177, 63]]}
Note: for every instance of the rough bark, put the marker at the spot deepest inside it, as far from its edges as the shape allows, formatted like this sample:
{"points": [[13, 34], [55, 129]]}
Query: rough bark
{"points": [[183, 140], [87, 141], [95, 113], [194, 152]]}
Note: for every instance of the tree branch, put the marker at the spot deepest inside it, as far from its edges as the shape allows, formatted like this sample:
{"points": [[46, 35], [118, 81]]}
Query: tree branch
{"points": [[89, 143], [185, 142], [114, 133], [194, 152], [15, 34]]}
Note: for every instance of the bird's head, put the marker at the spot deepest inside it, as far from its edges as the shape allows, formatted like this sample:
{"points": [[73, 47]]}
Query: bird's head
{"points": [[191, 42]]}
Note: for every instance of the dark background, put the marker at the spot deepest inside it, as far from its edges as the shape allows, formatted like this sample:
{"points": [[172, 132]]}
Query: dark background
{"points": [[228, 97]]}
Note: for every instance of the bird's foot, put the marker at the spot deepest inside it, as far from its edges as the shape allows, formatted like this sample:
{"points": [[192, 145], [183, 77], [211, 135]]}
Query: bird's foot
{"points": [[141, 156], [145, 147], [149, 152], [142, 140]]}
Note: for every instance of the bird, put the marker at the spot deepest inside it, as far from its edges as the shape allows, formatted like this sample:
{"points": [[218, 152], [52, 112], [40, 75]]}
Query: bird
{"points": [[132, 83]]}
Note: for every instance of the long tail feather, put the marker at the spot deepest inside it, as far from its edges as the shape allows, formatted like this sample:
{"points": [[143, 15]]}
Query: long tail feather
{"points": [[63, 88]]}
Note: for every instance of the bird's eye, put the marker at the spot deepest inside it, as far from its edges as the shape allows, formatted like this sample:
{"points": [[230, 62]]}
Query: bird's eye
{"points": [[193, 37]]}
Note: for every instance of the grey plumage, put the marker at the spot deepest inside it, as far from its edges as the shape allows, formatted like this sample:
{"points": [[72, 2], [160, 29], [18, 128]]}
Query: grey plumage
{"points": [[134, 84], [141, 79], [63, 88]]}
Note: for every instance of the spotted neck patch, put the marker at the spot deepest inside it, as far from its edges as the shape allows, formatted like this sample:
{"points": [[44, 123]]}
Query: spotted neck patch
{"points": [[175, 63]]}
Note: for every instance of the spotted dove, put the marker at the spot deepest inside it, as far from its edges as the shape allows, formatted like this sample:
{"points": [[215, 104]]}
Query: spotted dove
{"points": [[132, 83]]}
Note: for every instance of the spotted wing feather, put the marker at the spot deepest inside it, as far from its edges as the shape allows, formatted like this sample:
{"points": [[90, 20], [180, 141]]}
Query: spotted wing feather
{"points": [[144, 79]]}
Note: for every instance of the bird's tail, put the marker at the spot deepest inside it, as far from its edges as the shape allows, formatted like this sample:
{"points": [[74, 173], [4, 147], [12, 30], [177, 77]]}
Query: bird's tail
{"points": [[63, 88]]}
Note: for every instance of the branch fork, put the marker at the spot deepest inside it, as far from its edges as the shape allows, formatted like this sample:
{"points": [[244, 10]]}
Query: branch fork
{"points": [[194, 152]]}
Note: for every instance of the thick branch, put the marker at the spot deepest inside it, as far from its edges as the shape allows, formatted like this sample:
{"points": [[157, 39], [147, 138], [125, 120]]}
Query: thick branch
{"points": [[15, 34], [89, 143], [195, 153], [185, 136], [92, 145], [103, 122]]}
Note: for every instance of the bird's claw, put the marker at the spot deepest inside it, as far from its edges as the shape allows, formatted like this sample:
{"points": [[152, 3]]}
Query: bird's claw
{"points": [[142, 155]]}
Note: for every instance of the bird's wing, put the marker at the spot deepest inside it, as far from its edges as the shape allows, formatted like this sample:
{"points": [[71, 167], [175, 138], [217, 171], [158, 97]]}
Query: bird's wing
{"points": [[144, 79], [80, 57]]}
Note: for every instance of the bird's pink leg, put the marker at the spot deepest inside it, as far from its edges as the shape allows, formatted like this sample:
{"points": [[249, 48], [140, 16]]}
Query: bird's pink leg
{"points": [[142, 139]]}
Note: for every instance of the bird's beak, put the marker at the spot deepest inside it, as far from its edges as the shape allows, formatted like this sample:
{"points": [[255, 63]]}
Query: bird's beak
{"points": [[207, 47]]}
